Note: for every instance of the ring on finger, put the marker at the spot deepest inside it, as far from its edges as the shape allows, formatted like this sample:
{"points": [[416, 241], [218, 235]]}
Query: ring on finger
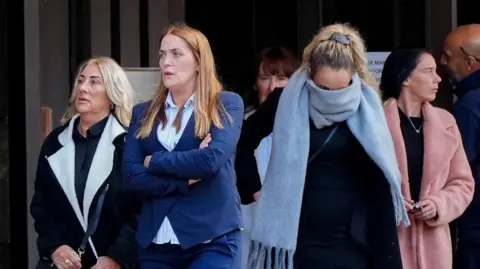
{"points": [[67, 261]]}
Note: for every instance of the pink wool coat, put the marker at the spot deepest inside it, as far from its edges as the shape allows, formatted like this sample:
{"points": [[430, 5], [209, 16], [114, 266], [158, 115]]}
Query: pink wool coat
{"points": [[447, 181]]}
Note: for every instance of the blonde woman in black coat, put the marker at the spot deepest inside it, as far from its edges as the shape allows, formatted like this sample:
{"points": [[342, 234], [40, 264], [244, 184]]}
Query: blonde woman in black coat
{"points": [[78, 187]]}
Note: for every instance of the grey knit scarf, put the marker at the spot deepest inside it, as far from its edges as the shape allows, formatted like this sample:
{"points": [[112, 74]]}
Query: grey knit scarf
{"points": [[277, 215]]}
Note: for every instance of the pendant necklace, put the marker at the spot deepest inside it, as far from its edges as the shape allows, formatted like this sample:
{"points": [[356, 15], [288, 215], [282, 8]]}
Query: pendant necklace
{"points": [[413, 125]]}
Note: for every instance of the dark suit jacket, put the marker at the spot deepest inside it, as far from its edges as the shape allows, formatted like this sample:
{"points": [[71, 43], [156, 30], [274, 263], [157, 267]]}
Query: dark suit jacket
{"points": [[199, 212], [467, 114], [55, 209], [373, 226]]}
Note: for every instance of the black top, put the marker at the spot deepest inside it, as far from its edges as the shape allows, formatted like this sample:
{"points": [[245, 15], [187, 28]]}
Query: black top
{"points": [[335, 185], [84, 151], [353, 225], [415, 150], [254, 129]]}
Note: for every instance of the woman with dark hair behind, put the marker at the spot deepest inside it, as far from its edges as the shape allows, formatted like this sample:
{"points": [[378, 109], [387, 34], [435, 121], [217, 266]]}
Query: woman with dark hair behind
{"points": [[273, 68], [437, 182]]}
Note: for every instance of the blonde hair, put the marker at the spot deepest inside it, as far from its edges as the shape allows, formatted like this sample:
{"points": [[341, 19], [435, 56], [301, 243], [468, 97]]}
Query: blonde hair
{"points": [[323, 50], [207, 86], [118, 88]]}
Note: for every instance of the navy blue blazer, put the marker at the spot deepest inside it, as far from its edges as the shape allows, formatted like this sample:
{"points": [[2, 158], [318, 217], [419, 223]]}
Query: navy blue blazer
{"points": [[199, 212]]}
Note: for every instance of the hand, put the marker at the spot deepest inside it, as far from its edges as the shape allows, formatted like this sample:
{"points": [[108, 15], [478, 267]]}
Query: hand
{"points": [[409, 204], [65, 257], [428, 211], [146, 161], [105, 262], [206, 141], [193, 181], [256, 196]]}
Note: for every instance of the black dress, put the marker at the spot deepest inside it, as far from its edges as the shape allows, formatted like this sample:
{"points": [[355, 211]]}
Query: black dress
{"points": [[347, 219], [335, 185]]}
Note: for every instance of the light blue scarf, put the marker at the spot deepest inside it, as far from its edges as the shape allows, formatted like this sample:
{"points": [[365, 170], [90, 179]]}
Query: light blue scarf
{"points": [[277, 215]]}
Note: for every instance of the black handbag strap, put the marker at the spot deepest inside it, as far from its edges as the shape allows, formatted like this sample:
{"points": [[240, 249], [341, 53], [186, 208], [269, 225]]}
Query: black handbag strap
{"points": [[92, 225], [329, 137]]}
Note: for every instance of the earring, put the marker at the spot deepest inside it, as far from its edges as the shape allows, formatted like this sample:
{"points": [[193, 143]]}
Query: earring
{"points": [[112, 107]]}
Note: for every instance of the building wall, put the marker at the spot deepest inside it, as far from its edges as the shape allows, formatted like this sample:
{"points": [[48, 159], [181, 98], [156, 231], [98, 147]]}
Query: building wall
{"points": [[54, 53]]}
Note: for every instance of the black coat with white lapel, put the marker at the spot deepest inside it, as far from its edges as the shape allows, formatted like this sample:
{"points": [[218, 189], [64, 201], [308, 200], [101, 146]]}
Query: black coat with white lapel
{"points": [[55, 209]]}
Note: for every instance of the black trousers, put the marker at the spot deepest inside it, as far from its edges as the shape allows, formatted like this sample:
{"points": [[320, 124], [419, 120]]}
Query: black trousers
{"points": [[467, 255]]}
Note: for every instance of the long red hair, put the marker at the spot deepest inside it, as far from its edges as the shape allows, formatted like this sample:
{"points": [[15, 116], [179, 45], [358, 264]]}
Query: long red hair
{"points": [[207, 87]]}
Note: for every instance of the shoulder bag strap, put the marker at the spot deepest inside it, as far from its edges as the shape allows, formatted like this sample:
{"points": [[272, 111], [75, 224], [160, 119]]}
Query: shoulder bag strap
{"points": [[329, 137], [92, 225]]}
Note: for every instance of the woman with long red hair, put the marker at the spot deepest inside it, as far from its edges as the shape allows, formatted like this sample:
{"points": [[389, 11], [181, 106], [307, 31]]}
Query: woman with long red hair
{"points": [[179, 156]]}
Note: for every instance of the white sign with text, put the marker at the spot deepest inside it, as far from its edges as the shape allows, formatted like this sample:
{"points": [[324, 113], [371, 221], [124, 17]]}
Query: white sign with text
{"points": [[376, 60]]}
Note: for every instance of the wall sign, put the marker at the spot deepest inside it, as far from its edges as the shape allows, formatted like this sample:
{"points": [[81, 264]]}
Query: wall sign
{"points": [[376, 60]]}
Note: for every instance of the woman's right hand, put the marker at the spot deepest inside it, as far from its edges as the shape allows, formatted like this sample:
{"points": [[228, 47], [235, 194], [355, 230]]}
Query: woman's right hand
{"points": [[256, 196], [409, 204], [203, 145], [65, 257], [206, 141]]}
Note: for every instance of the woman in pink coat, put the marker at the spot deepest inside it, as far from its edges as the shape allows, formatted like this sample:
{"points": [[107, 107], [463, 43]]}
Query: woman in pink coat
{"points": [[436, 177]]}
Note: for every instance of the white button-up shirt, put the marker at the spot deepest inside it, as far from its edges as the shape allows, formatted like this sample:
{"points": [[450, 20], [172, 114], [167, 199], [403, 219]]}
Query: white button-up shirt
{"points": [[169, 138]]}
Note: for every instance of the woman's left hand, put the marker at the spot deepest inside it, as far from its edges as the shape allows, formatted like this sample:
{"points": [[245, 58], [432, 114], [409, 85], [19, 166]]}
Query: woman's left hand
{"points": [[106, 263], [428, 210]]}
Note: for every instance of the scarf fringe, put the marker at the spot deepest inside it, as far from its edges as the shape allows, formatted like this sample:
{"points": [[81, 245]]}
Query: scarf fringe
{"points": [[400, 210], [261, 257]]}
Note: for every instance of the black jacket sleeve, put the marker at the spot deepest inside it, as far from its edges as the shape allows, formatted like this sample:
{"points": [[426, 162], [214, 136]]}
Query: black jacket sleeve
{"points": [[258, 126], [383, 228], [124, 249], [49, 235]]}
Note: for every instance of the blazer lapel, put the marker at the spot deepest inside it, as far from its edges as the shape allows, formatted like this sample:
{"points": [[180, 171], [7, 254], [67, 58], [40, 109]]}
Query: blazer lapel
{"points": [[393, 120], [188, 136], [152, 139], [102, 163], [62, 164], [154, 143], [439, 146]]}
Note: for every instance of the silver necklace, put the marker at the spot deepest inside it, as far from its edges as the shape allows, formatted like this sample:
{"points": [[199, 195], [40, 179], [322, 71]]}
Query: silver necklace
{"points": [[413, 125]]}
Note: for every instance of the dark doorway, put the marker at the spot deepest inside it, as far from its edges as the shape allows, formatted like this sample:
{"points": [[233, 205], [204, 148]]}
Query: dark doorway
{"points": [[4, 182], [230, 33], [238, 30], [12, 132], [79, 35], [467, 12]]}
